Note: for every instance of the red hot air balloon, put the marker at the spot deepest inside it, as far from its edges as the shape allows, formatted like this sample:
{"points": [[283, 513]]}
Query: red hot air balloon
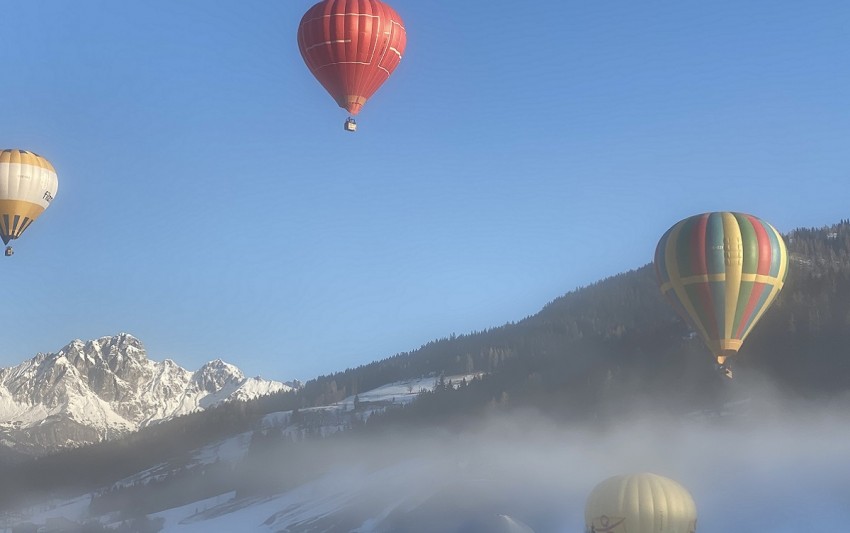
{"points": [[351, 47]]}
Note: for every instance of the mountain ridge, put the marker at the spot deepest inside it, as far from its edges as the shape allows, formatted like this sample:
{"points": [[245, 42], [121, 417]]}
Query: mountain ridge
{"points": [[102, 388]]}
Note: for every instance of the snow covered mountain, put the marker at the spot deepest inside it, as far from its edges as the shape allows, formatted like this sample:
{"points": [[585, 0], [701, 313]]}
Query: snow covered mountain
{"points": [[99, 389]]}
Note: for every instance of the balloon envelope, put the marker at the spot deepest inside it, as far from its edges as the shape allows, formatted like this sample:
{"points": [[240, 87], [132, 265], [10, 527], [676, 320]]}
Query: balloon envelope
{"points": [[721, 271], [28, 183], [640, 503], [351, 47]]}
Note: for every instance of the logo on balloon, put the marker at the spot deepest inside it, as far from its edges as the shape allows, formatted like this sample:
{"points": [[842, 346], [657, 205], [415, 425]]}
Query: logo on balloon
{"points": [[609, 524]]}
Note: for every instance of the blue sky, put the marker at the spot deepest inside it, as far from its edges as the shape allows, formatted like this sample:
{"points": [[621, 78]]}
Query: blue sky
{"points": [[210, 203]]}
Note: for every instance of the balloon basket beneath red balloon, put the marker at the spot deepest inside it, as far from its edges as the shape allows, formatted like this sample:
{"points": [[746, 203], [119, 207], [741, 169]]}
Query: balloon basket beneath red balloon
{"points": [[350, 125]]}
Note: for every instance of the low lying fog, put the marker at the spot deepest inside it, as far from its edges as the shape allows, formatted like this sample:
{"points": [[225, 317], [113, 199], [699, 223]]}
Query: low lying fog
{"points": [[771, 470], [772, 467]]}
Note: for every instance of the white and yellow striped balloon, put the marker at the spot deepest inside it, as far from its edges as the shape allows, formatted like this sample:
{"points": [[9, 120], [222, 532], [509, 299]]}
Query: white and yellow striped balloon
{"points": [[640, 503], [28, 184]]}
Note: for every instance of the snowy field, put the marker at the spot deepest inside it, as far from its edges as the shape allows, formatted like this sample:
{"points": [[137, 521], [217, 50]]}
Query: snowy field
{"points": [[777, 479], [779, 475]]}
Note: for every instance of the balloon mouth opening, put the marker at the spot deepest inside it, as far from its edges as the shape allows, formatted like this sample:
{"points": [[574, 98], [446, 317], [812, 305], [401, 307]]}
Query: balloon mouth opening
{"points": [[723, 349], [729, 348], [351, 103]]}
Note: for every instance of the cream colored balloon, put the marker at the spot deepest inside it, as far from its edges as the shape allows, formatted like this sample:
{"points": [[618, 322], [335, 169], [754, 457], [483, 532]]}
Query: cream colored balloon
{"points": [[640, 503], [28, 183]]}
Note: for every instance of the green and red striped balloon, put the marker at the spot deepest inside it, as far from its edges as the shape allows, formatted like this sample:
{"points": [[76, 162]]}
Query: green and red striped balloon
{"points": [[721, 271]]}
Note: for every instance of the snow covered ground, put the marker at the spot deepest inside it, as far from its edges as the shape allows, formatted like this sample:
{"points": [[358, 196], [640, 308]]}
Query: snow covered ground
{"points": [[778, 475], [778, 480], [233, 450]]}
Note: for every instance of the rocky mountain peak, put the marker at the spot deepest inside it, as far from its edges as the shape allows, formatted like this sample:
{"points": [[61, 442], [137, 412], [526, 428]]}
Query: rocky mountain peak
{"points": [[121, 353], [216, 374], [108, 386]]}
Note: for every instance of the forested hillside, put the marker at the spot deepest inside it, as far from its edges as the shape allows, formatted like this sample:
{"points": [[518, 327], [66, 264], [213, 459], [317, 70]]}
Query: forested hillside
{"points": [[593, 350]]}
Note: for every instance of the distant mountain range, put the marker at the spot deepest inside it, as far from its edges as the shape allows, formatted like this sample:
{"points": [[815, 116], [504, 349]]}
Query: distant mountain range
{"points": [[93, 390]]}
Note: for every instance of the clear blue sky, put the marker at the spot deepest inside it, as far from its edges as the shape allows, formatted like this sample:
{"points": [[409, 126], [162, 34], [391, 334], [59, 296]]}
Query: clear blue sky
{"points": [[210, 203]]}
